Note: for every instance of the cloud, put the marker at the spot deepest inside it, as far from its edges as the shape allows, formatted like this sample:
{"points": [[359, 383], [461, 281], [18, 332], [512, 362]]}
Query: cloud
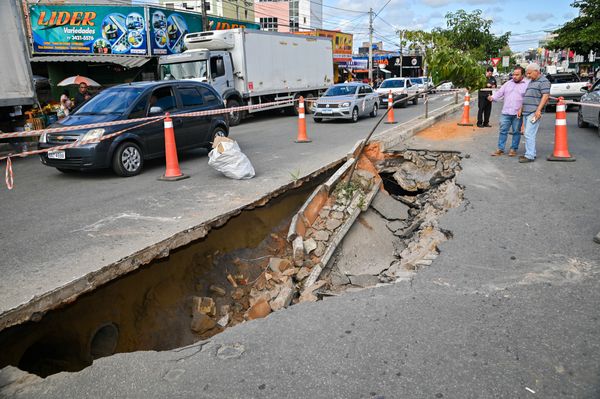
{"points": [[539, 16]]}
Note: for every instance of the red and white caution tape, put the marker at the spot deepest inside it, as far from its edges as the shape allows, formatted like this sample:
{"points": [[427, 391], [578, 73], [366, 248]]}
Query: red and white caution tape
{"points": [[8, 175], [33, 133]]}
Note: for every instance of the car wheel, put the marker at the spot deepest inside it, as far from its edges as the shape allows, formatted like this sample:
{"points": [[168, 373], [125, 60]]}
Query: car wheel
{"points": [[66, 171], [580, 121], [354, 115], [128, 159], [403, 103], [219, 131], [415, 100], [235, 117], [373, 113], [318, 120]]}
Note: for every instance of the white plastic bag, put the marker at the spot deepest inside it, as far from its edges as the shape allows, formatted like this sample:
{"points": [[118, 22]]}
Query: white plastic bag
{"points": [[228, 159]]}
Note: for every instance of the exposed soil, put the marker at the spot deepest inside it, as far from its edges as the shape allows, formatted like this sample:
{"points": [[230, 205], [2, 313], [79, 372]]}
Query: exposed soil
{"points": [[449, 130]]}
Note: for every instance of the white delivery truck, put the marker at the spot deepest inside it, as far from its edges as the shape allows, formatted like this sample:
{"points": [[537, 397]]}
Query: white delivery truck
{"points": [[16, 81], [249, 67]]}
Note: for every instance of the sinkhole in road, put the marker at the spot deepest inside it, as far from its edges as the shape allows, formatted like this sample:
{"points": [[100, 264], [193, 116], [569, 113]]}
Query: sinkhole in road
{"points": [[240, 271]]}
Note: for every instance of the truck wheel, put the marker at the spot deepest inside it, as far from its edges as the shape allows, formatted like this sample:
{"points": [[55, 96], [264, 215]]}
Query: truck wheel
{"points": [[308, 101], [235, 117], [580, 121], [354, 115], [128, 159], [373, 113]]}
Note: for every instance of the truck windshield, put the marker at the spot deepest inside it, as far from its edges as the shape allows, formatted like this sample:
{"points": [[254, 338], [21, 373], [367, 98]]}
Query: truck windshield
{"points": [[184, 70], [340, 91], [110, 101], [392, 84]]}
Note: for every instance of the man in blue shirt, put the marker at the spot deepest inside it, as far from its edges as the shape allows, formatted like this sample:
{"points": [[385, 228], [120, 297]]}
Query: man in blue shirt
{"points": [[534, 101]]}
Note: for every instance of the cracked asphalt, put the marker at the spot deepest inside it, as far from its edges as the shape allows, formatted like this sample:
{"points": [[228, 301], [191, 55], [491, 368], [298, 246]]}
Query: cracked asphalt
{"points": [[508, 310]]}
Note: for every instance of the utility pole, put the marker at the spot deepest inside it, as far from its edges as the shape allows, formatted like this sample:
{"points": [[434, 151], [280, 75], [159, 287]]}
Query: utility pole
{"points": [[205, 26], [370, 64], [401, 33]]}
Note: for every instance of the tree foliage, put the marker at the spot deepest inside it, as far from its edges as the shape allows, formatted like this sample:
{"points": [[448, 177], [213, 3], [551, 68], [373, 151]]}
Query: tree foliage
{"points": [[581, 33], [457, 52]]}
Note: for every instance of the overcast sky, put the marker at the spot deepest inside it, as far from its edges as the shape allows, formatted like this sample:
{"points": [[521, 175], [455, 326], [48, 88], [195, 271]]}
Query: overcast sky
{"points": [[527, 20]]}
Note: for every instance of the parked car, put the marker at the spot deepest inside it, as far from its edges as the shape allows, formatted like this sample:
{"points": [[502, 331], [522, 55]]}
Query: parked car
{"points": [[420, 83], [400, 88], [590, 115], [566, 85], [127, 152], [346, 101]]}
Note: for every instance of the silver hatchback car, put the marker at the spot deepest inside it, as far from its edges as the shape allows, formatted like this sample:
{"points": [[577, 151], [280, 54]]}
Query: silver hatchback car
{"points": [[590, 115], [346, 101]]}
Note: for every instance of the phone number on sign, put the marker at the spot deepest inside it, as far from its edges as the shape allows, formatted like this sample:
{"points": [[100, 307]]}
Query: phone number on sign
{"points": [[82, 38]]}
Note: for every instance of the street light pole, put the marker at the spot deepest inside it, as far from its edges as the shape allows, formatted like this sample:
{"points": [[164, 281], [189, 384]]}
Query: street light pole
{"points": [[401, 33], [370, 64]]}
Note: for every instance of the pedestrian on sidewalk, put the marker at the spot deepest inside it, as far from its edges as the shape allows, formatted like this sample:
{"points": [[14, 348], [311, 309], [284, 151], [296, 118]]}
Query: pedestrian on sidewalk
{"points": [[484, 106], [512, 92], [534, 101]]}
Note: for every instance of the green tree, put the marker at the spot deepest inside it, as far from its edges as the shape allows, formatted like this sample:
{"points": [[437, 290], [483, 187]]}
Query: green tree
{"points": [[581, 33]]}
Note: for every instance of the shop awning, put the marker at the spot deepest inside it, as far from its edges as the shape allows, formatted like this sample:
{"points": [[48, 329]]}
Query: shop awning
{"points": [[123, 60]]}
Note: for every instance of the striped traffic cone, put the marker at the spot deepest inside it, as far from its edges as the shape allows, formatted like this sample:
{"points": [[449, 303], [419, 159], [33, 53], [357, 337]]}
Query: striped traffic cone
{"points": [[390, 111], [302, 137], [466, 110], [561, 145], [172, 172]]}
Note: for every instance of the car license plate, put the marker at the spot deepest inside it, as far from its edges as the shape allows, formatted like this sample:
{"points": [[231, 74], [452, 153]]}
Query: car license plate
{"points": [[56, 155], [327, 111]]}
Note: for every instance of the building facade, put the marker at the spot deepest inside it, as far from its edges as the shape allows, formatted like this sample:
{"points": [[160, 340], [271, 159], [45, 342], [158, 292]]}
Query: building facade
{"points": [[289, 15], [241, 10]]}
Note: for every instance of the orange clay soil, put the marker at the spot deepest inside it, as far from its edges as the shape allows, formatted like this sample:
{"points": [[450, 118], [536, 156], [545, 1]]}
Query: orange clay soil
{"points": [[449, 130]]}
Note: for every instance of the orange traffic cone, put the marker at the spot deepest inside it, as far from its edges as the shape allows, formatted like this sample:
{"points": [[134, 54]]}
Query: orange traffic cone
{"points": [[302, 137], [173, 172], [561, 147], [390, 111], [466, 110]]}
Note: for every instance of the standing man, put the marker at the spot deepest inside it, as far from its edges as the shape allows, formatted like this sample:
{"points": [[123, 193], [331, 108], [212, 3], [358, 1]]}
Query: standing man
{"points": [[485, 106], [82, 93], [512, 92], [534, 101]]}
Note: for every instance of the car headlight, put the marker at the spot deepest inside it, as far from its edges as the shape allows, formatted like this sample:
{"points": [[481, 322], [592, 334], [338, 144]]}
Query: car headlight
{"points": [[345, 105], [43, 138], [93, 134]]}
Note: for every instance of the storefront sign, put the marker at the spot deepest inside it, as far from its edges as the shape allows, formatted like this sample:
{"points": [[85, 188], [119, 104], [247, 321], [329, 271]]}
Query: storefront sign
{"points": [[168, 27], [88, 29], [341, 42], [218, 23]]}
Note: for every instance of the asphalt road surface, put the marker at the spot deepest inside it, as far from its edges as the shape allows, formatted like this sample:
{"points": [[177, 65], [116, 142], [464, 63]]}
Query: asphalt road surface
{"points": [[508, 310], [57, 228]]}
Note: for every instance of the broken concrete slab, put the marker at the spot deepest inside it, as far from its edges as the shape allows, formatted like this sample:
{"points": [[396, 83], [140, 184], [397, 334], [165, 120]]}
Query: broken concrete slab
{"points": [[337, 277], [364, 280], [310, 245], [395, 225], [333, 224], [368, 246], [389, 208]]}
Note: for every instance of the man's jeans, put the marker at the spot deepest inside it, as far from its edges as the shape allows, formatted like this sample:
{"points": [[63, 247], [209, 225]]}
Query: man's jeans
{"points": [[530, 133], [506, 122]]}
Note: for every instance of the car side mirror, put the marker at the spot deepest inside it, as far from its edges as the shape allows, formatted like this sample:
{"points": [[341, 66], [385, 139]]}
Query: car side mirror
{"points": [[156, 110], [584, 89]]}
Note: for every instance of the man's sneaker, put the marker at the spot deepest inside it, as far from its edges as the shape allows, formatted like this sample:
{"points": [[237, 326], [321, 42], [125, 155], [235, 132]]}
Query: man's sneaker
{"points": [[497, 153], [512, 153], [523, 159]]}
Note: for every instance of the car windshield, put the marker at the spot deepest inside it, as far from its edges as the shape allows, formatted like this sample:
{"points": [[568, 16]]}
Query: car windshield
{"points": [[184, 70], [392, 84], [340, 91], [110, 101], [416, 81]]}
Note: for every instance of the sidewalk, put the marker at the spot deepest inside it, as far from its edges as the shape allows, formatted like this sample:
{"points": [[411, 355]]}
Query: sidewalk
{"points": [[508, 309]]}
